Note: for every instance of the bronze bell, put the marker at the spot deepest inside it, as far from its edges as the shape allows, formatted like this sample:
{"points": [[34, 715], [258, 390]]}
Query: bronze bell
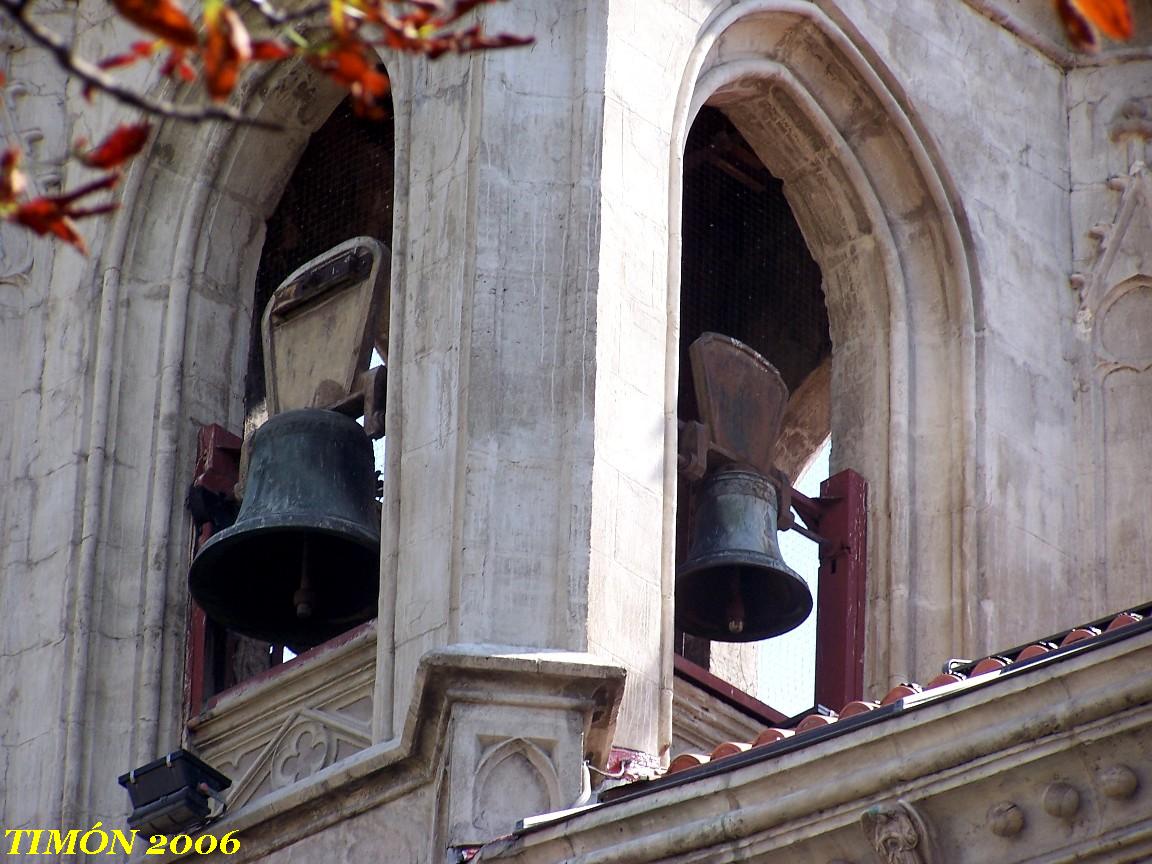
{"points": [[734, 586], [301, 564]]}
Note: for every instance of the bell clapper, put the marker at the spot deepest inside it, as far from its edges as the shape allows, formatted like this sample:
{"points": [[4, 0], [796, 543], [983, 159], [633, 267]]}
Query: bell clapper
{"points": [[305, 597], [735, 606]]}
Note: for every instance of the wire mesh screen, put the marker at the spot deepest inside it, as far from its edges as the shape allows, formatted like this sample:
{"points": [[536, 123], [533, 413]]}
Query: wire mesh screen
{"points": [[342, 187], [746, 272]]}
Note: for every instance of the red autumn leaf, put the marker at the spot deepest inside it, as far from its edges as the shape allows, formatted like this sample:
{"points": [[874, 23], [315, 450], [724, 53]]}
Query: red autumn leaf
{"points": [[54, 214], [44, 217], [67, 199], [271, 49], [163, 18], [120, 146], [1112, 17], [354, 65], [12, 180], [138, 51], [177, 66], [227, 47], [1080, 33]]}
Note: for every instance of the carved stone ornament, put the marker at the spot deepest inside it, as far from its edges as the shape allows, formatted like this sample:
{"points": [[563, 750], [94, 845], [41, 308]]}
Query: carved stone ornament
{"points": [[302, 752], [1118, 782], [897, 832], [1133, 118], [514, 764], [307, 741], [1005, 819], [1061, 800], [1124, 244]]}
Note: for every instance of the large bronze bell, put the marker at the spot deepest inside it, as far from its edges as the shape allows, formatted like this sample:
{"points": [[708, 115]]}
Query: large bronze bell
{"points": [[301, 564], [734, 586]]}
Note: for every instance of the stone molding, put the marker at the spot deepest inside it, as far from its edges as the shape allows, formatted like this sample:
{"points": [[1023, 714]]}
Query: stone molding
{"points": [[1122, 246], [1083, 723], [510, 686], [1114, 320], [897, 832]]}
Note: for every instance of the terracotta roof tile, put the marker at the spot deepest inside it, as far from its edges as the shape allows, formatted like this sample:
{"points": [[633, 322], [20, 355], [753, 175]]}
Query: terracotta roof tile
{"points": [[943, 679], [989, 664], [901, 691], [1123, 620], [1080, 633], [730, 748], [687, 760], [955, 671], [815, 721], [771, 736], [1035, 650], [857, 707]]}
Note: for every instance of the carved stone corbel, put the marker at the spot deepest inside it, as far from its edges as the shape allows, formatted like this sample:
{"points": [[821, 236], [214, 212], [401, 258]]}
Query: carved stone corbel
{"points": [[898, 833]]}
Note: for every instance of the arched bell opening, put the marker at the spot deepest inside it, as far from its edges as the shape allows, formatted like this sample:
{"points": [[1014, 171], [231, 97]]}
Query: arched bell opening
{"points": [[175, 273], [880, 219], [229, 180], [299, 523], [746, 272]]}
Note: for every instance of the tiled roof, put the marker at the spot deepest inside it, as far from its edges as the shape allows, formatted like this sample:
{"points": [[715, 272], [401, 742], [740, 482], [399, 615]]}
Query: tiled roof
{"points": [[957, 675]]}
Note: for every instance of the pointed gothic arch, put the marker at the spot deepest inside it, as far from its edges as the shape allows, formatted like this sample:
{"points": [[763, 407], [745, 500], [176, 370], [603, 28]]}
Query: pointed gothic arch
{"points": [[184, 252], [879, 216]]}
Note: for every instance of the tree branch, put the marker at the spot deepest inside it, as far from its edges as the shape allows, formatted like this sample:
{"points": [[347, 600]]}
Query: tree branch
{"points": [[96, 78], [278, 18]]}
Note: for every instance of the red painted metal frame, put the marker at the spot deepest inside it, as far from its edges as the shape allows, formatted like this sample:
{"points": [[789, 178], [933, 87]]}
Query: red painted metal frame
{"points": [[217, 470], [840, 517]]}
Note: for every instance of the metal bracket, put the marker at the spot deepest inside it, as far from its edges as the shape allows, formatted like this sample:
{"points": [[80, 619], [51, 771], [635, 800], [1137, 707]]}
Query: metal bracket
{"points": [[368, 397], [692, 444]]}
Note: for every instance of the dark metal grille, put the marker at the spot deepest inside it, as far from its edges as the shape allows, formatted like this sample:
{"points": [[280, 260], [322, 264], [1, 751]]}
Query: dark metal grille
{"points": [[342, 187], [746, 271]]}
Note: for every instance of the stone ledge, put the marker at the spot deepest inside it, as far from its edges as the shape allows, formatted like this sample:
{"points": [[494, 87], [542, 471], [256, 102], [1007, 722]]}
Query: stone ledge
{"points": [[950, 761], [492, 675], [308, 680]]}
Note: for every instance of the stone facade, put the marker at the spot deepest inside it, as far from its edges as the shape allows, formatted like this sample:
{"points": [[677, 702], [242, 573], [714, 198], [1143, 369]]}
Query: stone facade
{"points": [[977, 198]]}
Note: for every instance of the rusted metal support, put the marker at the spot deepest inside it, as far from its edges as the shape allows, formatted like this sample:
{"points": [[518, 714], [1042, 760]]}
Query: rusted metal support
{"points": [[212, 504], [840, 516]]}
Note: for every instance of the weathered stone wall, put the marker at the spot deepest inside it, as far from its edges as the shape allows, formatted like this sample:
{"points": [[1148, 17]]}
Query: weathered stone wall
{"points": [[49, 302], [1110, 125], [993, 113]]}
